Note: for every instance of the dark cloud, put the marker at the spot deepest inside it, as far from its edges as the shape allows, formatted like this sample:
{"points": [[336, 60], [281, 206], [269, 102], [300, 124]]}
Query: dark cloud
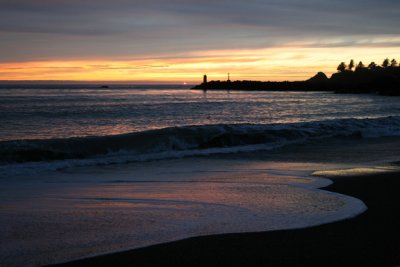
{"points": [[39, 29]]}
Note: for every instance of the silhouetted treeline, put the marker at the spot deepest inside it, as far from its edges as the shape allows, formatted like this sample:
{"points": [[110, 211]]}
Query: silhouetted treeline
{"points": [[382, 79]]}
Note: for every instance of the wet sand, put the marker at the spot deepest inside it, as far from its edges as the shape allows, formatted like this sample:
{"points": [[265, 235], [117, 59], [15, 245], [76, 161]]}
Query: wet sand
{"points": [[371, 239]]}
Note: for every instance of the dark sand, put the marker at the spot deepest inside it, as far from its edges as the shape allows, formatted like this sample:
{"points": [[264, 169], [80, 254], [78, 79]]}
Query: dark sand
{"points": [[371, 239]]}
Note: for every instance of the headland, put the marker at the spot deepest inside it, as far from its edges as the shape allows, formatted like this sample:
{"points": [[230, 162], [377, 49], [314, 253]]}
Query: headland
{"points": [[384, 80]]}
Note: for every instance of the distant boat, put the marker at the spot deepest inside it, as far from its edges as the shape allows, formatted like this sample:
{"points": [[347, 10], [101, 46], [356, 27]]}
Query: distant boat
{"points": [[104, 86]]}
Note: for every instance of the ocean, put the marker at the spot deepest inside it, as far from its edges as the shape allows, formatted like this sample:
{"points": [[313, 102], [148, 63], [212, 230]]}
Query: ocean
{"points": [[43, 112], [86, 170]]}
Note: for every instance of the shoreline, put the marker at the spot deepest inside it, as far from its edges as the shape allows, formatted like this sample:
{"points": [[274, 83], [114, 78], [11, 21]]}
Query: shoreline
{"points": [[370, 239]]}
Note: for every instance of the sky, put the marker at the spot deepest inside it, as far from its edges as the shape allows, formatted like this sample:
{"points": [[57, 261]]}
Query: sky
{"points": [[180, 40]]}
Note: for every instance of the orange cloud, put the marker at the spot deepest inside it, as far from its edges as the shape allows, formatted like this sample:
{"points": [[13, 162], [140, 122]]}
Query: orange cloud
{"points": [[288, 62]]}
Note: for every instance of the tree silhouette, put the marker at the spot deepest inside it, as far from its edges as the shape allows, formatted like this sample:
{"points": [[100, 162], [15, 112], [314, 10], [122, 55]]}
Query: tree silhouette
{"points": [[351, 65], [386, 63], [372, 65], [342, 67], [376, 78], [360, 65]]}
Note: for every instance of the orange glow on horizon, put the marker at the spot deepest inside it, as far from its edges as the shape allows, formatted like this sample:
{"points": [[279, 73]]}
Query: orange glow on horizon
{"points": [[289, 62]]}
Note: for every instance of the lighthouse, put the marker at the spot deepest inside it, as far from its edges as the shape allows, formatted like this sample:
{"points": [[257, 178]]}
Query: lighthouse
{"points": [[205, 79], [229, 78]]}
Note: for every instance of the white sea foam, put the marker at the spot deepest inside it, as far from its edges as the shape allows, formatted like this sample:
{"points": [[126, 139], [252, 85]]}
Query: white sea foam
{"points": [[178, 142], [359, 171]]}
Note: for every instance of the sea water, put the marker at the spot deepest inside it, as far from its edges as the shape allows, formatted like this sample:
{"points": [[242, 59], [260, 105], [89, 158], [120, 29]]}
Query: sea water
{"points": [[86, 171], [48, 111]]}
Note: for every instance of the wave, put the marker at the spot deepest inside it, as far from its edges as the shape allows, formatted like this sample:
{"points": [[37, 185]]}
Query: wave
{"points": [[190, 140]]}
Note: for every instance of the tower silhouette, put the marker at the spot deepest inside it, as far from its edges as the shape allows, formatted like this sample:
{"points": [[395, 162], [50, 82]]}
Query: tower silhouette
{"points": [[205, 78]]}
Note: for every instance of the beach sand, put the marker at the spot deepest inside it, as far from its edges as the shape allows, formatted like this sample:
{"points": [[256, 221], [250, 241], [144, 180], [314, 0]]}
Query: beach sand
{"points": [[370, 239]]}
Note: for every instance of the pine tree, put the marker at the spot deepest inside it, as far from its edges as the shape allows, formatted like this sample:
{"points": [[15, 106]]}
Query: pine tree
{"points": [[386, 63], [393, 63], [360, 66], [372, 65], [351, 65], [342, 67]]}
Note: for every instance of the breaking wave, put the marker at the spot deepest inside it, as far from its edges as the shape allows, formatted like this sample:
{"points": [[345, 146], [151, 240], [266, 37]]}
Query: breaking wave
{"points": [[188, 141]]}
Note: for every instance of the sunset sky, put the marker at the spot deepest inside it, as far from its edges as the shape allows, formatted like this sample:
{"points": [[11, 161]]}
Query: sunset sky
{"points": [[180, 40]]}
